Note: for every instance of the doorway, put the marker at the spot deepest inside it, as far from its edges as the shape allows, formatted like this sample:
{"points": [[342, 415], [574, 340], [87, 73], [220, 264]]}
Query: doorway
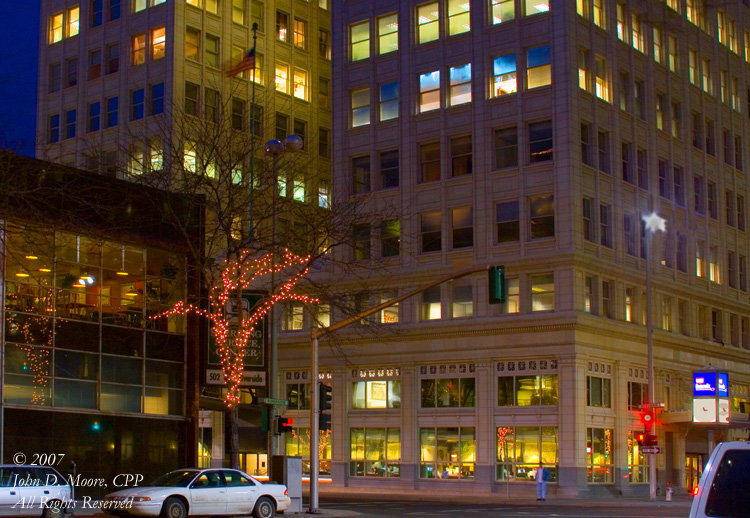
{"points": [[693, 470]]}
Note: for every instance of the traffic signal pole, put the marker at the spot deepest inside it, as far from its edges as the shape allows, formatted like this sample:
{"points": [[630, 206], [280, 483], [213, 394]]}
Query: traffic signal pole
{"points": [[315, 334]]}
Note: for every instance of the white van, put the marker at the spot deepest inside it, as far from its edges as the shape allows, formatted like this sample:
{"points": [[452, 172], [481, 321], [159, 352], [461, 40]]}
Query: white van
{"points": [[724, 488], [33, 491]]}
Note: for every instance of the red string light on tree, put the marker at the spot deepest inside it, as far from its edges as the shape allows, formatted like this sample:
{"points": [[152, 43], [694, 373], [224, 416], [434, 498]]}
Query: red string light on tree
{"points": [[239, 275]]}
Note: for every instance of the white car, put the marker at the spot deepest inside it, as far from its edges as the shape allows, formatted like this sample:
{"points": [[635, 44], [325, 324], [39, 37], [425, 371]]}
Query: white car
{"points": [[190, 492], [724, 488], [33, 491]]}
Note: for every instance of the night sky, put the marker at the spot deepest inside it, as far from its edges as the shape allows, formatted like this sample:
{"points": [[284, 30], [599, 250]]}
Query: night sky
{"points": [[19, 46]]}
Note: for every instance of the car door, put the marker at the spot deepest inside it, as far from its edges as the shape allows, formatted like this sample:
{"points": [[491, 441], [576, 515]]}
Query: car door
{"points": [[241, 492], [10, 494], [208, 494]]}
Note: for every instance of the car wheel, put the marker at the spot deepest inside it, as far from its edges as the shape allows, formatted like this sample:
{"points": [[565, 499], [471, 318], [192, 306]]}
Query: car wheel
{"points": [[53, 509], [264, 508], [173, 508]]}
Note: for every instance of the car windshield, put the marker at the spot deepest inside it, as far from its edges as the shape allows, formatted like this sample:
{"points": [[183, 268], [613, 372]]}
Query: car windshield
{"points": [[176, 478]]}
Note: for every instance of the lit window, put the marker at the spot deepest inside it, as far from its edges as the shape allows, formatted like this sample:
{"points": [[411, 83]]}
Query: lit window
{"points": [[212, 6], [388, 33], [190, 158], [504, 72], [389, 101], [282, 78], [582, 8], [158, 43], [139, 5], [56, 28], [673, 55], [300, 84], [324, 194], [460, 84], [693, 67], [721, 27], [538, 67], [428, 22], [459, 16], [376, 394], [298, 187], [300, 31], [431, 306], [257, 15], [73, 21], [532, 7], [360, 107], [360, 41], [502, 10], [156, 154], [135, 165], [638, 43], [658, 52], [583, 65], [600, 14], [543, 292], [429, 91], [706, 70], [282, 26], [541, 216], [139, 49], [602, 85], [463, 303], [390, 232], [238, 11], [540, 141], [192, 44], [622, 24], [389, 315]]}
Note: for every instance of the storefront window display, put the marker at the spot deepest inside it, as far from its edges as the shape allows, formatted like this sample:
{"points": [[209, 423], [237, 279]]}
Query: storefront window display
{"points": [[527, 390], [599, 451], [448, 392], [298, 445], [520, 449], [376, 394], [375, 452], [447, 453], [637, 461]]}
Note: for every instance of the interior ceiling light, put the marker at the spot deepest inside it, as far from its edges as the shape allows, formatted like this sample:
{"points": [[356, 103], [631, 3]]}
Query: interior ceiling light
{"points": [[32, 257], [44, 270], [22, 274], [122, 273]]}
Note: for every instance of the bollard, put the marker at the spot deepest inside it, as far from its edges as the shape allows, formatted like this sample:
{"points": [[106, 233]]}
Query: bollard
{"points": [[670, 491]]}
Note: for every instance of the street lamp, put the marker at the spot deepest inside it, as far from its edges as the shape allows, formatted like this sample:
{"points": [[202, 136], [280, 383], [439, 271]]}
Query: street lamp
{"points": [[653, 223], [275, 149]]}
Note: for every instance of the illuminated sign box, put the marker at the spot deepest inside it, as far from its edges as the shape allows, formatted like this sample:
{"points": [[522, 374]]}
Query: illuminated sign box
{"points": [[711, 397], [704, 384]]}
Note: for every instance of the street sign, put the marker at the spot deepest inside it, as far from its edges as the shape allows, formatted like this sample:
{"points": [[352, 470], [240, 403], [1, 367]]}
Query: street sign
{"points": [[249, 378], [651, 449], [274, 401]]}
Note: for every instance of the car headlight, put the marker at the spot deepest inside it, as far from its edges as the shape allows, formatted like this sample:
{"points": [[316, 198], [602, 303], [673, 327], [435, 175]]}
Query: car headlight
{"points": [[140, 498]]}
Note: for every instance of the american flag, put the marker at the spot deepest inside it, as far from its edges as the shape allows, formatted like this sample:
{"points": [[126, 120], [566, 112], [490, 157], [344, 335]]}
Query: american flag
{"points": [[246, 63]]}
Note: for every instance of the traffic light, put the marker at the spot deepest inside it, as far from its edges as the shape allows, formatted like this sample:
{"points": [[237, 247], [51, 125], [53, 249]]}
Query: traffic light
{"points": [[284, 424], [324, 400], [496, 278], [641, 438], [647, 418], [651, 440]]}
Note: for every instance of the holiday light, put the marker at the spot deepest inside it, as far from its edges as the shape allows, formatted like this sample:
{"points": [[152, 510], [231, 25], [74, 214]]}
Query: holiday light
{"points": [[240, 275]]}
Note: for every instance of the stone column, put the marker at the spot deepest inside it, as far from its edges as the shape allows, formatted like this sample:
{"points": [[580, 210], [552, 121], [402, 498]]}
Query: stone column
{"points": [[410, 393], [571, 377]]}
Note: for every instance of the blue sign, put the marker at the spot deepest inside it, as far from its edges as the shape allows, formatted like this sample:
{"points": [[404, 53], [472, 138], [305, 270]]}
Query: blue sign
{"points": [[723, 384], [704, 384]]}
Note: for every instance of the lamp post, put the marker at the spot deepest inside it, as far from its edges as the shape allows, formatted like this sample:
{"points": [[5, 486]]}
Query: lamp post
{"points": [[653, 222], [275, 149]]}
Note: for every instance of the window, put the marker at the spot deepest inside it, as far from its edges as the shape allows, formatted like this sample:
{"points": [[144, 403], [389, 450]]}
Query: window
{"points": [[461, 156], [70, 124], [700, 258], [607, 293], [540, 141], [191, 99], [731, 269], [627, 162], [729, 201], [460, 84], [298, 395], [324, 194], [674, 57], [95, 64], [623, 34], [629, 235], [257, 15], [531, 7], [282, 126], [740, 212], [256, 119], [682, 315], [94, 114], [502, 10], [589, 295], [541, 216], [238, 114], [678, 182], [238, 55], [542, 292], [300, 32], [600, 15], [282, 26], [528, 390], [602, 85], [324, 142], [598, 392], [642, 162], [521, 448], [97, 12], [299, 128], [738, 158], [693, 67], [112, 111], [139, 5], [721, 27], [390, 238], [664, 180], [360, 107], [212, 51], [742, 267], [676, 126], [682, 252], [375, 452], [637, 395], [55, 78], [658, 50], [54, 128], [137, 100], [300, 84], [716, 329], [389, 101], [459, 17], [506, 148], [388, 33], [629, 305], [324, 43], [361, 242], [56, 28], [660, 111], [512, 302], [504, 75], [448, 392], [538, 66], [589, 229], [431, 305], [293, 317], [211, 105], [463, 302], [113, 58], [462, 223], [431, 232], [713, 200], [640, 100], [428, 22], [324, 92], [157, 99], [707, 84], [666, 313], [159, 43], [429, 91], [638, 40], [281, 73], [73, 18], [605, 225], [430, 161], [360, 41], [447, 453], [603, 152], [583, 67], [238, 11], [361, 174], [192, 44], [508, 225], [714, 274], [389, 169]]}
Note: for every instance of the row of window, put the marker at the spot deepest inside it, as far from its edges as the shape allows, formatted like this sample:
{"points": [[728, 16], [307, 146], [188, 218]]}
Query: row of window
{"points": [[432, 21]]}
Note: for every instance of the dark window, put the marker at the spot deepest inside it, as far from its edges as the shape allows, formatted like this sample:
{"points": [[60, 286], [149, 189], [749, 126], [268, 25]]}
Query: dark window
{"points": [[589, 231], [586, 143], [97, 8], [71, 72], [157, 98], [300, 129], [430, 161], [112, 111], [699, 195], [598, 392], [389, 168], [463, 227], [678, 182], [136, 104], [461, 156], [361, 174], [211, 103], [627, 163], [114, 10], [70, 124], [604, 152], [430, 227], [238, 113], [95, 64], [282, 126], [361, 242], [191, 98], [113, 58], [642, 159], [540, 141], [55, 77], [324, 142], [256, 119], [390, 238], [54, 127], [542, 216], [94, 113], [508, 224], [506, 148]]}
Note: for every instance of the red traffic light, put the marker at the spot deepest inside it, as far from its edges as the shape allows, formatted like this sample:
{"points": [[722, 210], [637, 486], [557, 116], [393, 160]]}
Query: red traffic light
{"points": [[641, 438], [284, 424], [647, 418]]}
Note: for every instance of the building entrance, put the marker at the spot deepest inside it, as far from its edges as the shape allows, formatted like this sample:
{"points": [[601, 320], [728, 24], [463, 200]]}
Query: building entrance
{"points": [[693, 470]]}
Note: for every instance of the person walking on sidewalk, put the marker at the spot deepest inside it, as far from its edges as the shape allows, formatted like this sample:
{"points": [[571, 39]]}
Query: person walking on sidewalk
{"points": [[541, 476]]}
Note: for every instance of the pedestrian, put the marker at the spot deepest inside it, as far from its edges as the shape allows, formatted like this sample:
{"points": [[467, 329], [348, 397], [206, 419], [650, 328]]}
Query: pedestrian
{"points": [[541, 476]]}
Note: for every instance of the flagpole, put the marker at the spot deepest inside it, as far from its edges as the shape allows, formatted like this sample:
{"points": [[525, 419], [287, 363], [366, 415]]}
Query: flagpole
{"points": [[252, 135]]}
